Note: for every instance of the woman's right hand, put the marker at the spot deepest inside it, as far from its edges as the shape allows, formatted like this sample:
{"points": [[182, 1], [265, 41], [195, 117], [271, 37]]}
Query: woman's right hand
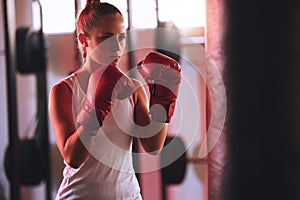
{"points": [[105, 84]]}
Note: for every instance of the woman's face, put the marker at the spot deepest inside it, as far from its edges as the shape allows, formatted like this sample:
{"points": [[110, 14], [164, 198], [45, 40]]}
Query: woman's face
{"points": [[106, 42]]}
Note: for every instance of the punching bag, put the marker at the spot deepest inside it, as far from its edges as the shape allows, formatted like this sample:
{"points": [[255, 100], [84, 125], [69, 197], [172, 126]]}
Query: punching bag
{"points": [[215, 27], [263, 95]]}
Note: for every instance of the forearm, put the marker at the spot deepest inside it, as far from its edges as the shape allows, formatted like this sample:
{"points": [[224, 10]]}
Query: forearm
{"points": [[163, 76], [152, 137], [75, 150]]}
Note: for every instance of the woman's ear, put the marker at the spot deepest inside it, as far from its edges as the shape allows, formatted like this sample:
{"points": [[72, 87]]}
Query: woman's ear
{"points": [[82, 39]]}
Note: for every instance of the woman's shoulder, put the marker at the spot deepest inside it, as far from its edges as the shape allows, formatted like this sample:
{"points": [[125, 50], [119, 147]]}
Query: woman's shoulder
{"points": [[64, 86], [70, 80]]}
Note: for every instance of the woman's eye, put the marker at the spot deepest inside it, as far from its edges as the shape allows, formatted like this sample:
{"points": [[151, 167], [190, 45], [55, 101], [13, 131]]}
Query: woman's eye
{"points": [[121, 37]]}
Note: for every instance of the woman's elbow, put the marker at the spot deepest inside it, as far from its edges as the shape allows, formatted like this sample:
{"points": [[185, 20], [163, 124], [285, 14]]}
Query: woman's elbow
{"points": [[154, 144], [72, 161], [151, 147]]}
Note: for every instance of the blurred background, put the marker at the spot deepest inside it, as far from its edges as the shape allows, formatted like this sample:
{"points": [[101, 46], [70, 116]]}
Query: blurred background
{"points": [[253, 45], [186, 24]]}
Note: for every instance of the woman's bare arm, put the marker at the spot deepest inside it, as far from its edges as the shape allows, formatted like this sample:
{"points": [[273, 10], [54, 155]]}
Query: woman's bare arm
{"points": [[67, 136], [146, 126]]}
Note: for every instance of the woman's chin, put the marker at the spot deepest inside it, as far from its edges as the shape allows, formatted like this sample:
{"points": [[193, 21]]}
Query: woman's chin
{"points": [[115, 61]]}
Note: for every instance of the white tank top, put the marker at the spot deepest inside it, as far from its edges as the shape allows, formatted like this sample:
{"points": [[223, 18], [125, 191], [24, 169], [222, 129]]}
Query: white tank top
{"points": [[108, 173]]}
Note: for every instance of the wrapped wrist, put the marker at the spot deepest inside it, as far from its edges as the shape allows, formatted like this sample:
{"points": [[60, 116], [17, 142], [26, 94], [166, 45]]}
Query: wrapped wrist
{"points": [[87, 118]]}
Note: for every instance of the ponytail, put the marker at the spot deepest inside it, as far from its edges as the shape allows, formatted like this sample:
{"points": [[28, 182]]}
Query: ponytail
{"points": [[90, 2]]}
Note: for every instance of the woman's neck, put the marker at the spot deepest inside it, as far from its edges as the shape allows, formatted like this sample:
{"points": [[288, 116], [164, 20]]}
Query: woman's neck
{"points": [[83, 76], [91, 65]]}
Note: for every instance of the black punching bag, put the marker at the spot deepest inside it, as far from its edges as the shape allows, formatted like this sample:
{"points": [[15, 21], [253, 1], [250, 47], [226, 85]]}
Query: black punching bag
{"points": [[263, 91]]}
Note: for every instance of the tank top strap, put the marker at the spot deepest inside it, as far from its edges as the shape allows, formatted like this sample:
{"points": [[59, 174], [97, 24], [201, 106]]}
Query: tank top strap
{"points": [[70, 80]]}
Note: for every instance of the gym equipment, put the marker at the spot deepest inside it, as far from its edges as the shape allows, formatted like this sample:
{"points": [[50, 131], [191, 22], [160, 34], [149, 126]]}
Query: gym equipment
{"points": [[30, 59], [174, 172], [11, 98], [173, 162], [27, 161], [33, 152], [30, 50], [31, 164]]}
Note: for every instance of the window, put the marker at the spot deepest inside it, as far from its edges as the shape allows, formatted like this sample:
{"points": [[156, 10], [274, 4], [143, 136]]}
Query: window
{"points": [[143, 13], [58, 16], [185, 14]]}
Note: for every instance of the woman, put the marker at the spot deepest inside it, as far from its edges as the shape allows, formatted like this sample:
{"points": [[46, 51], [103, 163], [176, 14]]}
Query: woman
{"points": [[94, 132]]}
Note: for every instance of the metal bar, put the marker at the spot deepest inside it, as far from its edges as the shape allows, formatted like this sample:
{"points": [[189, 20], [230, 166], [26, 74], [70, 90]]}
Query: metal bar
{"points": [[12, 109], [135, 146], [43, 122], [157, 14], [129, 15], [43, 110]]}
